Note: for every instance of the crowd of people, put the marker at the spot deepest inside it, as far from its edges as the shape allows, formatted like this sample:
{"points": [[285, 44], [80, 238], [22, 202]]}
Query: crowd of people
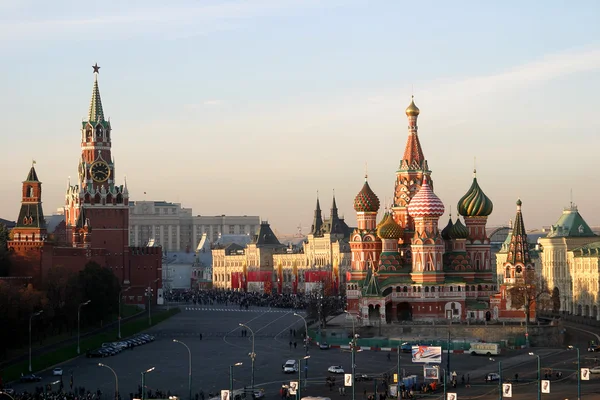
{"points": [[207, 297]]}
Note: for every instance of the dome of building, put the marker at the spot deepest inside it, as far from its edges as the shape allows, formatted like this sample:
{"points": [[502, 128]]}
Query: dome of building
{"points": [[459, 230], [366, 200], [425, 203], [383, 219], [412, 109], [389, 229], [475, 203], [446, 230]]}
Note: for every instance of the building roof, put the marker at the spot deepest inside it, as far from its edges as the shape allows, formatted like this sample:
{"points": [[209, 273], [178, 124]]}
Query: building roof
{"points": [[371, 289], [425, 203], [366, 200], [588, 250], [7, 223], [570, 224], [518, 248], [31, 216], [96, 113], [317, 225], [265, 236], [32, 175], [475, 203]]}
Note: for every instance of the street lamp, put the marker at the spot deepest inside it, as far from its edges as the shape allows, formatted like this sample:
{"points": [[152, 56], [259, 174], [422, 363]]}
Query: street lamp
{"points": [[116, 379], [144, 381], [35, 314], [121, 295], [231, 396], [578, 372], [298, 397], [149, 291], [539, 385], [353, 349], [189, 367], [252, 355], [79, 323], [306, 337]]}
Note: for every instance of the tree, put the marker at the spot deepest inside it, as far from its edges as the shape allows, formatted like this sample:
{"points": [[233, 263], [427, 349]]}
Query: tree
{"points": [[321, 305], [555, 300], [101, 287], [4, 254], [524, 295], [59, 286]]}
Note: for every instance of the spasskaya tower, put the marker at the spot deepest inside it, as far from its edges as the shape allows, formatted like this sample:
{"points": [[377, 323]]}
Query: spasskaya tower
{"points": [[97, 208]]}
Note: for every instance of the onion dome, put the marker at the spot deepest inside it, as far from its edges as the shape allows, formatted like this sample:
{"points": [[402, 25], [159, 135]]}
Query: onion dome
{"points": [[389, 229], [446, 230], [366, 200], [475, 203], [425, 203], [459, 230], [412, 109], [383, 219]]}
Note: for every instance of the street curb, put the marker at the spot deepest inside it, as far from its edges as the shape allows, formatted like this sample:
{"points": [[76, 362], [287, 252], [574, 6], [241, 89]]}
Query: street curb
{"points": [[375, 348]]}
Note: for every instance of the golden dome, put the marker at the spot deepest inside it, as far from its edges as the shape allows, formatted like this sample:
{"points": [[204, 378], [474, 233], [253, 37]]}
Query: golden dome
{"points": [[412, 109]]}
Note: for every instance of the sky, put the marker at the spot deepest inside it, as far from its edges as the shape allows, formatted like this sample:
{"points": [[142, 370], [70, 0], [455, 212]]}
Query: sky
{"points": [[254, 107]]}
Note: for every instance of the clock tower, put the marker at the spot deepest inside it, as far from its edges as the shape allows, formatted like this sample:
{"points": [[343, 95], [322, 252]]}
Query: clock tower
{"points": [[96, 205]]}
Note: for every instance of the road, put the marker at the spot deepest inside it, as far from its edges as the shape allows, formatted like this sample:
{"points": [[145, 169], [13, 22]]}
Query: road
{"points": [[222, 345]]}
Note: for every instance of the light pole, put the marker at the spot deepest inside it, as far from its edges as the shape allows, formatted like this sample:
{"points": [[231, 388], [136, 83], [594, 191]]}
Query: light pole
{"points": [[306, 337], [121, 295], [35, 314], [144, 381], [353, 350], [578, 372], [539, 384], [116, 379], [189, 367], [149, 291], [79, 323], [231, 396], [298, 397], [252, 355]]}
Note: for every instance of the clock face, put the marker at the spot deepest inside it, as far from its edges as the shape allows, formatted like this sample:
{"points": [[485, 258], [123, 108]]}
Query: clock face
{"points": [[100, 171]]}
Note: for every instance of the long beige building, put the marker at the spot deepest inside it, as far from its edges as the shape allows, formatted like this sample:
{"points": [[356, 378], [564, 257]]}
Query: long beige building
{"points": [[175, 228]]}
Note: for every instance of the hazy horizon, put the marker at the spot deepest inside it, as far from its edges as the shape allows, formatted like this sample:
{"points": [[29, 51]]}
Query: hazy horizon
{"points": [[251, 107]]}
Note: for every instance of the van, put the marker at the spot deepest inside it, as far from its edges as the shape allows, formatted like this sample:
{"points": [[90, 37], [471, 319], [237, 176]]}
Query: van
{"points": [[290, 366], [488, 349]]}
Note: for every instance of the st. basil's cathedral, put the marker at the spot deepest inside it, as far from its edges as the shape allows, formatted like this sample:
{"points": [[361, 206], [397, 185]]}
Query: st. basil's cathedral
{"points": [[403, 267]]}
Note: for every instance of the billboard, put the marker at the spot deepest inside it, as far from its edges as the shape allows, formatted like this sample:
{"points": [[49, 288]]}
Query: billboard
{"points": [[427, 354], [431, 373]]}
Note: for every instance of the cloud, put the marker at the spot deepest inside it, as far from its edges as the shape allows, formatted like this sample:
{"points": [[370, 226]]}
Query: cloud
{"points": [[192, 18]]}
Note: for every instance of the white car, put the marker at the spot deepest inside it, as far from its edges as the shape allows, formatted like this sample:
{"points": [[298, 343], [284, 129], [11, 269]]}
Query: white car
{"points": [[336, 369], [492, 376], [595, 370], [57, 372]]}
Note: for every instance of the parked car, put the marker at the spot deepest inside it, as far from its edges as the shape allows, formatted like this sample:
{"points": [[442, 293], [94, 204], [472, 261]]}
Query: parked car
{"points": [[290, 366], [30, 378], [362, 377], [492, 376], [594, 348], [336, 369], [95, 353], [324, 346], [406, 347], [57, 371]]}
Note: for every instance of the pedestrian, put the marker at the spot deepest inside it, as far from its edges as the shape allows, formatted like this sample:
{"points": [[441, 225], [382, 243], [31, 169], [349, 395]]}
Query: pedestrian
{"points": [[295, 344], [291, 330], [517, 377], [343, 390], [200, 336], [462, 379], [340, 390], [290, 344]]}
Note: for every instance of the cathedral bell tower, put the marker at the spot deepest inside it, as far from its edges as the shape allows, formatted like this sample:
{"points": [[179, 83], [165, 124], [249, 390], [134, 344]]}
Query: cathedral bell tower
{"points": [[409, 178], [30, 227], [96, 201]]}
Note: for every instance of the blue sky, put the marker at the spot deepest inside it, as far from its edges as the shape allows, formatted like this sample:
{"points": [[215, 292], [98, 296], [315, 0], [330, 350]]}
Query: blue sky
{"points": [[250, 107]]}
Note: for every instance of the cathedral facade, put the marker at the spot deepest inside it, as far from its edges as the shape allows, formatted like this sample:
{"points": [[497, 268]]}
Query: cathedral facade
{"points": [[96, 224], [403, 267]]}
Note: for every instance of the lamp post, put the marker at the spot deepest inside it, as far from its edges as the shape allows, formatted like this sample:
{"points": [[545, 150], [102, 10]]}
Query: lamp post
{"points": [[189, 367], [578, 371], [149, 291], [252, 355], [144, 381], [298, 397], [35, 314], [79, 323], [305, 343], [231, 396], [116, 379], [353, 350], [448, 355], [539, 384], [119, 323]]}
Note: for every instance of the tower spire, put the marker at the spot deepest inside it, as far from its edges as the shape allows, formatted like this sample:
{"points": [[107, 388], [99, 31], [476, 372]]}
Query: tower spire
{"points": [[413, 153], [317, 225], [96, 114]]}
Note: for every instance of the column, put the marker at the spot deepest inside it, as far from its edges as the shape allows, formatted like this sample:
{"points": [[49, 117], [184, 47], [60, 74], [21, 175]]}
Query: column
{"points": [[178, 243], [136, 230], [195, 237], [170, 238], [153, 231], [162, 235]]}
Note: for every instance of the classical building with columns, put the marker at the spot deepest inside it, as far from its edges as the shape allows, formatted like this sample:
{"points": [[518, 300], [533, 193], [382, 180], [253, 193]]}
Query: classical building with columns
{"points": [[175, 228]]}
